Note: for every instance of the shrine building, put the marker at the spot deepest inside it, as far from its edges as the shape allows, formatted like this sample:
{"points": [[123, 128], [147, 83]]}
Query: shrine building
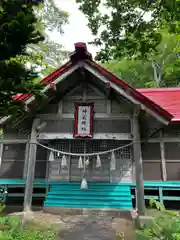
{"points": [[92, 142]]}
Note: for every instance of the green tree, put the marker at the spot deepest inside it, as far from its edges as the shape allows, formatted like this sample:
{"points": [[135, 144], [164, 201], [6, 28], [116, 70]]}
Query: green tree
{"points": [[167, 60], [48, 55], [121, 27], [142, 73], [18, 28], [45, 56], [137, 73], [51, 16]]}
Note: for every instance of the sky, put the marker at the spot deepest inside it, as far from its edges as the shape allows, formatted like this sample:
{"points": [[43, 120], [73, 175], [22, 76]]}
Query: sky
{"points": [[77, 29]]}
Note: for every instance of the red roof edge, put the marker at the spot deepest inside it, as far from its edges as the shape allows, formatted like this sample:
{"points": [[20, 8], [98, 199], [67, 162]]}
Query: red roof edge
{"points": [[152, 90], [175, 121]]}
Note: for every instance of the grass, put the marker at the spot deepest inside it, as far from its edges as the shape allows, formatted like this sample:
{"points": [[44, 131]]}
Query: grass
{"points": [[11, 228], [125, 230]]}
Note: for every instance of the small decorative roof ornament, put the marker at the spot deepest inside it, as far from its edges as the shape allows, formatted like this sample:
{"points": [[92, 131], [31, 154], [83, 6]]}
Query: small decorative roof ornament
{"points": [[80, 53], [80, 45]]}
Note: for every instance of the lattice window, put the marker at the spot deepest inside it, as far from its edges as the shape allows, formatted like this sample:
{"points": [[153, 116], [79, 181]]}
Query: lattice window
{"points": [[123, 156], [102, 173], [55, 171], [93, 146], [123, 170], [77, 146], [125, 153], [62, 145]]}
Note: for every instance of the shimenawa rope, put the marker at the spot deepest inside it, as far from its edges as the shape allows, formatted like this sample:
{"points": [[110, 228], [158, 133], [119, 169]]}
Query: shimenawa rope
{"points": [[84, 154]]}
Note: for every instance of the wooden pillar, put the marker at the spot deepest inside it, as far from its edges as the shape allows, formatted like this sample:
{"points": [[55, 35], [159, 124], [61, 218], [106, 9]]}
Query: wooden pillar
{"points": [[31, 167], [1, 152], [163, 161], [60, 106], [69, 162], [138, 163], [26, 160]]}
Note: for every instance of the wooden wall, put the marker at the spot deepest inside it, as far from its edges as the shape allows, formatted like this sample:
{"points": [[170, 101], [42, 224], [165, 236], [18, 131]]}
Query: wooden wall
{"points": [[161, 155]]}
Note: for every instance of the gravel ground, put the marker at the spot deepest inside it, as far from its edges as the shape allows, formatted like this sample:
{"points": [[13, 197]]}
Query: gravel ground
{"points": [[84, 227]]}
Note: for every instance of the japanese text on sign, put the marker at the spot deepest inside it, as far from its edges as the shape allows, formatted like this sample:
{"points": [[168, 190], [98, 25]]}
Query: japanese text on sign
{"points": [[84, 118]]}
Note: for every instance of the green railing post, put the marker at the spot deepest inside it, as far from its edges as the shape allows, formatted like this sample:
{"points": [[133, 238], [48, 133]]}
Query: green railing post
{"points": [[161, 195]]}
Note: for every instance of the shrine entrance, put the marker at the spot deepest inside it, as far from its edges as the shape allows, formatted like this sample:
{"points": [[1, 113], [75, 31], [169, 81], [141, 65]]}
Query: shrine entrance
{"points": [[94, 168]]}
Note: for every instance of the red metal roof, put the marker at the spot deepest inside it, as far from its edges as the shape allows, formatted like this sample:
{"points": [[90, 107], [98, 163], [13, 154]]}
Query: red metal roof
{"points": [[81, 54], [167, 98]]}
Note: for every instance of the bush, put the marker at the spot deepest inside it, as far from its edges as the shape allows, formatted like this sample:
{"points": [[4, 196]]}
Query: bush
{"points": [[11, 229], [165, 227]]}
